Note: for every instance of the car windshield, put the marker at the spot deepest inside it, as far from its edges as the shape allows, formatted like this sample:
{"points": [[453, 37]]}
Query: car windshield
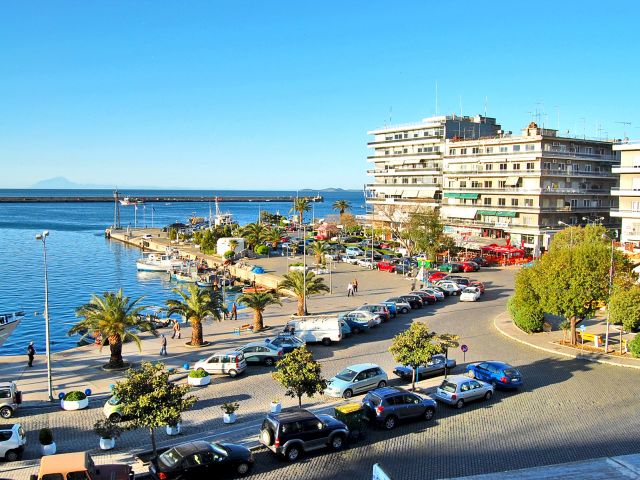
{"points": [[448, 387], [218, 449], [511, 372], [170, 458], [114, 401], [346, 375], [469, 290]]}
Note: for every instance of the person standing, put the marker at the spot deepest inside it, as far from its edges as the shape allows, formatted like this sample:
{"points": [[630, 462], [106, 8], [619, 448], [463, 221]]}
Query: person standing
{"points": [[355, 285], [31, 352], [176, 330], [349, 289], [234, 312], [163, 348]]}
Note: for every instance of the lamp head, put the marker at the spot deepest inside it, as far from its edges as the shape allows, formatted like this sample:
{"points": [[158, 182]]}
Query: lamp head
{"points": [[45, 233], [38, 237]]}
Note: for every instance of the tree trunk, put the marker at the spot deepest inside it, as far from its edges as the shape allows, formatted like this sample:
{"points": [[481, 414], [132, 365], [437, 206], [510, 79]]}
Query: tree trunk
{"points": [[413, 378], [258, 324], [573, 331], [196, 332], [152, 432], [300, 401], [115, 347], [301, 311]]}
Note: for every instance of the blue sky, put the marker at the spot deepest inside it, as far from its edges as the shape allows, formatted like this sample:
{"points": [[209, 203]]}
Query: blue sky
{"points": [[281, 94]]}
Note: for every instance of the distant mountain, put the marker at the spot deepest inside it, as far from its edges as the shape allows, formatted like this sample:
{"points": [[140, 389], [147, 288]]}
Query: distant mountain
{"points": [[64, 183]]}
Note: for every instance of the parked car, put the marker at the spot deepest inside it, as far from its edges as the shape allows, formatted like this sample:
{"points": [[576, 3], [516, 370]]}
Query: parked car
{"points": [[358, 252], [470, 294], [431, 369], [436, 276], [80, 465], [402, 306], [351, 259], [386, 267], [10, 399], [480, 261], [292, 432], [437, 293], [386, 406], [402, 268], [461, 281], [357, 323], [470, 266], [367, 263], [392, 307], [12, 441], [450, 288], [427, 298], [479, 285], [288, 343], [200, 459], [230, 363], [113, 409], [376, 256], [377, 309], [459, 389], [334, 257], [498, 374], [261, 352], [371, 317], [413, 300], [356, 379], [451, 267]]}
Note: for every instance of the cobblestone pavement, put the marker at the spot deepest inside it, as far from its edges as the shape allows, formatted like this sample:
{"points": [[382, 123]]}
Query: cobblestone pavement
{"points": [[569, 409]]}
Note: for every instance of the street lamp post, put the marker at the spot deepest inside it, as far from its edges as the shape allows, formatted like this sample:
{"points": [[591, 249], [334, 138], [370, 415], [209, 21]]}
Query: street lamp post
{"points": [[606, 338], [304, 269], [43, 237]]}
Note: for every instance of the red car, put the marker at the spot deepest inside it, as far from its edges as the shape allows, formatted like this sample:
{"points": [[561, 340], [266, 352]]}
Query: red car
{"points": [[470, 267], [386, 267], [434, 277], [478, 285]]}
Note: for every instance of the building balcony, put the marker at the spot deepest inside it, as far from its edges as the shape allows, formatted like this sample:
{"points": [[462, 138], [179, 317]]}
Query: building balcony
{"points": [[528, 173], [625, 192], [625, 213], [626, 169], [416, 155], [580, 156], [426, 201], [530, 191], [405, 171]]}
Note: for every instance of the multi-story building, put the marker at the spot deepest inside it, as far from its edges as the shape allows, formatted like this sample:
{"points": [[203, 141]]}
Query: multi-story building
{"points": [[407, 162], [628, 193], [521, 187]]}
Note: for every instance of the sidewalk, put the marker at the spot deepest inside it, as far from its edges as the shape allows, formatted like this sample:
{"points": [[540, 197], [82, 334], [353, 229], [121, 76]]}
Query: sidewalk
{"points": [[548, 342]]}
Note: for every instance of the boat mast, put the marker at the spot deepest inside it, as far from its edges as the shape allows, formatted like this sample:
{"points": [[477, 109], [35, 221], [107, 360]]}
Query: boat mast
{"points": [[116, 209]]}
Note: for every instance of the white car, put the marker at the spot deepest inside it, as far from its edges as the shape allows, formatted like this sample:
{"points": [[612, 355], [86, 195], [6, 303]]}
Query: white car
{"points": [[352, 259], [320, 271], [401, 305], [451, 288], [367, 263], [354, 251], [470, 294], [334, 257]]}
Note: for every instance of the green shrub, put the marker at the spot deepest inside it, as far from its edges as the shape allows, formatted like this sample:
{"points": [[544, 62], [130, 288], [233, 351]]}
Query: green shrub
{"points": [[529, 318], [261, 249], [74, 396], [229, 254], [200, 373], [296, 264], [230, 407], [45, 436], [107, 429], [634, 346]]}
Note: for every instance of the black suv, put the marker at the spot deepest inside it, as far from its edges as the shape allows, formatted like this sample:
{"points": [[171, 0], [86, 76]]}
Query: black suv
{"points": [[298, 430], [413, 300], [386, 406]]}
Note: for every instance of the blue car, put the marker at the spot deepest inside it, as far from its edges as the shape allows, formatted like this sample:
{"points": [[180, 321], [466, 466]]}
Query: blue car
{"points": [[392, 307], [498, 374], [355, 323]]}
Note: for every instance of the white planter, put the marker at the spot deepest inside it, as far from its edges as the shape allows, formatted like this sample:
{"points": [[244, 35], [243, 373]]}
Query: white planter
{"points": [[49, 449], [172, 431], [107, 443], [199, 382], [298, 268], [74, 404], [229, 417], [276, 407]]}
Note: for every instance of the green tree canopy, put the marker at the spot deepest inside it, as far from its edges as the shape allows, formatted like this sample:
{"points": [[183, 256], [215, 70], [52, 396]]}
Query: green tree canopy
{"points": [[195, 304], [319, 250], [255, 234], [258, 302], [150, 400], [115, 318], [415, 346], [624, 307], [426, 232], [300, 205], [300, 374], [294, 281]]}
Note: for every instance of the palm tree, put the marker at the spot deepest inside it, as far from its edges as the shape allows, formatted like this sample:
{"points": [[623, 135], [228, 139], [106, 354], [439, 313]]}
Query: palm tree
{"points": [[255, 234], [114, 317], [274, 235], [300, 205], [319, 250], [341, 206], [195, 304], [258, 302], [295, 282]]}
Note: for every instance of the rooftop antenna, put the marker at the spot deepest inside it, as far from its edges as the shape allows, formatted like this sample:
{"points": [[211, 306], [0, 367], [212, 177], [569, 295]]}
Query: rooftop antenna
{"points": [[626, 124], [486, 100]]}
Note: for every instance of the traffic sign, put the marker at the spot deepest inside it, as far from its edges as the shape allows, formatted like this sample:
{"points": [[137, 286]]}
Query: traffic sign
{"points": [[464, 348]]}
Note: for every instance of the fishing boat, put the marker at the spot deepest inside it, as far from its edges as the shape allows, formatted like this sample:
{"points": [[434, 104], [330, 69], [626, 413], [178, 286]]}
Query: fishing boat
{"points": [[128, 201], [221, 219], [184, 277], [8, 323], [158, 262]]}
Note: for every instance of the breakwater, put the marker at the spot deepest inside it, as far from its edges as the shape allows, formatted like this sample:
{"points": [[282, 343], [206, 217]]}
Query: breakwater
{"points": [[151, 199]]}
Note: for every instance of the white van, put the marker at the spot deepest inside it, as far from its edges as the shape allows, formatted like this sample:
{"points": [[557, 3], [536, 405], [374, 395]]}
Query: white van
{"points": [[316, 328]]}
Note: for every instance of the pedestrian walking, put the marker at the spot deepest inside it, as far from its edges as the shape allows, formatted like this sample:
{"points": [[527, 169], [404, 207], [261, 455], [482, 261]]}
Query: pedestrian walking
{"points": [[234, 312], [31, 352], [163, 348], [355, 285], [350, 289], [413, 285], [176, 330]]}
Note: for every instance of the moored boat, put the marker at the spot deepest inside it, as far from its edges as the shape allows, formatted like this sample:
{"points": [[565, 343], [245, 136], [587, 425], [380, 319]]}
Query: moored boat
{"points": [[8, 323], [158, 262]]}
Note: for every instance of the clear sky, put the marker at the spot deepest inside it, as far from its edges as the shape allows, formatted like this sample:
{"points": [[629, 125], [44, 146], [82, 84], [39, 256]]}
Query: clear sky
{"points": [[275, 95]]}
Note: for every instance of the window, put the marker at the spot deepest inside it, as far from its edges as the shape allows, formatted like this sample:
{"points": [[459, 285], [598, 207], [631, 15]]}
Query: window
{"points": [[414, 180], [502, 184], [586, 203], [530, 148], [436, 148], [502, 202], [514, 202], [515, 166], [588, 150], [503, 166], [4, 436], [504, 149], [452, 151], [476, 184], [405, 180], [463, 151], [531, 166], [474, 201], [516, 148], [476, 150], [587, 168], [463, 184], [5, 393], [489, 150], [415, 135], [488, 184], [405, 150], [546, 166], [488, 167], [528, 202], [486, 201], [387, 152]]}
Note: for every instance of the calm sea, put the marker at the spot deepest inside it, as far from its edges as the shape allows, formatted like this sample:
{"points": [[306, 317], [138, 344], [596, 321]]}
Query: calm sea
{"points": [[82, 262]]}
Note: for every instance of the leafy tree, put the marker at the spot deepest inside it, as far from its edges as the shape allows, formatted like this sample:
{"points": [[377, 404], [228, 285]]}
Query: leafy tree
{"points": [[294, 281], [300, 205], [300, 374], [195, 304], [634, 346], [255, 234], [114, 317], [426, 231], [150, 400], [258, 302], [524, 306], [415, 346], [173, 234], [624, 307], [319, 250]]}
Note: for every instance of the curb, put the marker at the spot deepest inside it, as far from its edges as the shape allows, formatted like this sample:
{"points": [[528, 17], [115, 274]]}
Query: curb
{"points": [[587, 358]]}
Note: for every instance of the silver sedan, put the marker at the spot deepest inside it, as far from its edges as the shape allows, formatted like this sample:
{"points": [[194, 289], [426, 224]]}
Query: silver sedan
{"points": [[459, 389]]}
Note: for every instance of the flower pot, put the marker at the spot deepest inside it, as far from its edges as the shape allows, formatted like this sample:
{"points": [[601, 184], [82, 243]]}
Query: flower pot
{"points": [[199, 382], [276, 407], [74, 404], [49, 449], [107, 443], [229, 418], [173, 430]]}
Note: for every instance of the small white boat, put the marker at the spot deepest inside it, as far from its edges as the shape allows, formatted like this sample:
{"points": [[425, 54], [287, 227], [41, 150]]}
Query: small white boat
{"points": [[221, 219], [184, 277], [8, 323], [158, 262], [127, 201]]}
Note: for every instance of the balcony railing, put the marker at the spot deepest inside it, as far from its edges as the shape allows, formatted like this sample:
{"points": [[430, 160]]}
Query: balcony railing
{"points": [[415, 170], [529, 172]]}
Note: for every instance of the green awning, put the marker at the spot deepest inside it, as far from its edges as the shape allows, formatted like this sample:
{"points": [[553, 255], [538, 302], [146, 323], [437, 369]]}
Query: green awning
{"points": [[451, 195], [506, 214], [487, 212], [469, 195]]}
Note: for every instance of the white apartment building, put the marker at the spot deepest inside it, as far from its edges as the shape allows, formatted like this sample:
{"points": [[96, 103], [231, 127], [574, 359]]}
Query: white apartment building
{"points": [[628, 193]]}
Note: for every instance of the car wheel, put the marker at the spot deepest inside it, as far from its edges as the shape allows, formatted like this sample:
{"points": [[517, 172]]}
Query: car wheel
{"points": [[326, 342], [6, 412], [337, 442], [348, 393], [11, 456], [404, 310], [115, 417], [382, 384], [356, 330], [233, 373], [471, 374], [488, 395], [243, 468], [292, 453], [268, 361], [429, 413], [390, 422], [460, 403], [266, 438]]}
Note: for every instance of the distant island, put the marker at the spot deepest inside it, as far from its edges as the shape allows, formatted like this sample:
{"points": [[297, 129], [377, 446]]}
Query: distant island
{"points": [[62, 183]]}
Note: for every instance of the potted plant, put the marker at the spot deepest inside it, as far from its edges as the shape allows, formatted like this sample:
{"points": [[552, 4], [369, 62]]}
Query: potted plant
{"points": [[74, 400], [276, 406], [174, 428], [299, 266], [199, 378], [229, 409], [45, 436], [108, 432]]}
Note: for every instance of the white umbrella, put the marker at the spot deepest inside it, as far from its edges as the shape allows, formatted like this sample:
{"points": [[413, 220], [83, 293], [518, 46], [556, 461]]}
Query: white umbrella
{"points": [[421, 276]]}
